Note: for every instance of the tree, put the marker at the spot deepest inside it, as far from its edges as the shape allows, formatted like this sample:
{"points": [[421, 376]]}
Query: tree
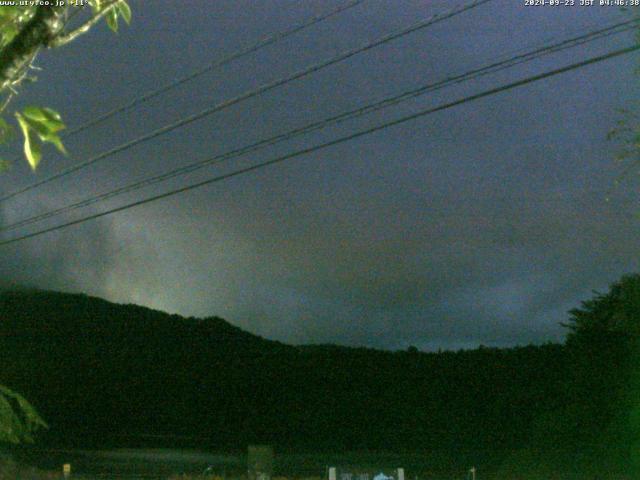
{"points": [[18, 419], [604, 348], [615, 313], [25, 30]]}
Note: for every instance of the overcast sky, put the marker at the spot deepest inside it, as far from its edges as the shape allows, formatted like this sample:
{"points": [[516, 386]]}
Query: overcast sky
{"points": [[481, 224]]}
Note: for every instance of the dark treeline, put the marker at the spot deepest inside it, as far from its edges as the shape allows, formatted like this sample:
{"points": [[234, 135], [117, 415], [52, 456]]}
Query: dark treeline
{"points": [[103, 374]]}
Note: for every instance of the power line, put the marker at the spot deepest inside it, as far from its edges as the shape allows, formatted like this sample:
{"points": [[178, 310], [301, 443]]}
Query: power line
{"points": [[253, 93], [331, 143], [387, 102], [569, 43], [266, 41]]}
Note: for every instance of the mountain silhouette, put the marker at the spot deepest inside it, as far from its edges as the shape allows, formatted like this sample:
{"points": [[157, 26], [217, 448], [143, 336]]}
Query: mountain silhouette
{"points": [[103, 374]]}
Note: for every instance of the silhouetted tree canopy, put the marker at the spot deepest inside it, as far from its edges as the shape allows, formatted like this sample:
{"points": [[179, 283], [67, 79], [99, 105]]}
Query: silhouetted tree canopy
{"points": [[615, 314]]}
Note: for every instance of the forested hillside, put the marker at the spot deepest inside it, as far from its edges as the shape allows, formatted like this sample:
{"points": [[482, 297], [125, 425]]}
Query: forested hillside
{"points": [[100, 373]]}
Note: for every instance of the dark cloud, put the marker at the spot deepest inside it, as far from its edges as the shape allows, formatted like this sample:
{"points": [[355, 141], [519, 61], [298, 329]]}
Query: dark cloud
{"points": [[75, 261]]}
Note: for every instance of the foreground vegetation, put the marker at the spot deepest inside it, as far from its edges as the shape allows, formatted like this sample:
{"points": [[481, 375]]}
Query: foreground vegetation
{"points": [[102, 373]]}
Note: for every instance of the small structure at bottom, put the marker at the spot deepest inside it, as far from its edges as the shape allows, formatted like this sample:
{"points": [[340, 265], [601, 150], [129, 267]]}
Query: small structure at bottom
{"points": [[357, 473], [259, 462]]}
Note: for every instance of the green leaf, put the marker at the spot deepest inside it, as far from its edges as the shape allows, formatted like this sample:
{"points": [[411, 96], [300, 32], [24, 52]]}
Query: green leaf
{"points": [[38, 128], [12, 19], [55, 140], [32, 148], [51, 114], [18, 419], [9, 32], [34, 113], [8, 422], [125, 11], [43, 123], [112, 19], [46, 119], [96, 6], [9, 12]]}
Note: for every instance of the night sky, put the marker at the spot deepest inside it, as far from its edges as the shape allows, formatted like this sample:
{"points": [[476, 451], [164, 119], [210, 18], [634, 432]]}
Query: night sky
{"points": [[481, 224]]}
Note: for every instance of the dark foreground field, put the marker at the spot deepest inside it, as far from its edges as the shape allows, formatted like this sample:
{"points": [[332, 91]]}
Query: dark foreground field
{"points": [[193, 464], [166, 463]]}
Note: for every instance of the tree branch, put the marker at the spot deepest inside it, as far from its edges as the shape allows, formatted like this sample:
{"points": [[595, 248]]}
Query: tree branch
{"points": [[61, 40], [6, 102], [38, 32]]}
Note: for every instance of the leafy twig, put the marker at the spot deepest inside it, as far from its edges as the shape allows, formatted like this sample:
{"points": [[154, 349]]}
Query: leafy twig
{"points": [[61, 40]]}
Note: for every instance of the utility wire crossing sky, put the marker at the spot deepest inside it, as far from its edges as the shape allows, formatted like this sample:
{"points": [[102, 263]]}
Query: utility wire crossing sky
{"points": [[492, 68]]}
